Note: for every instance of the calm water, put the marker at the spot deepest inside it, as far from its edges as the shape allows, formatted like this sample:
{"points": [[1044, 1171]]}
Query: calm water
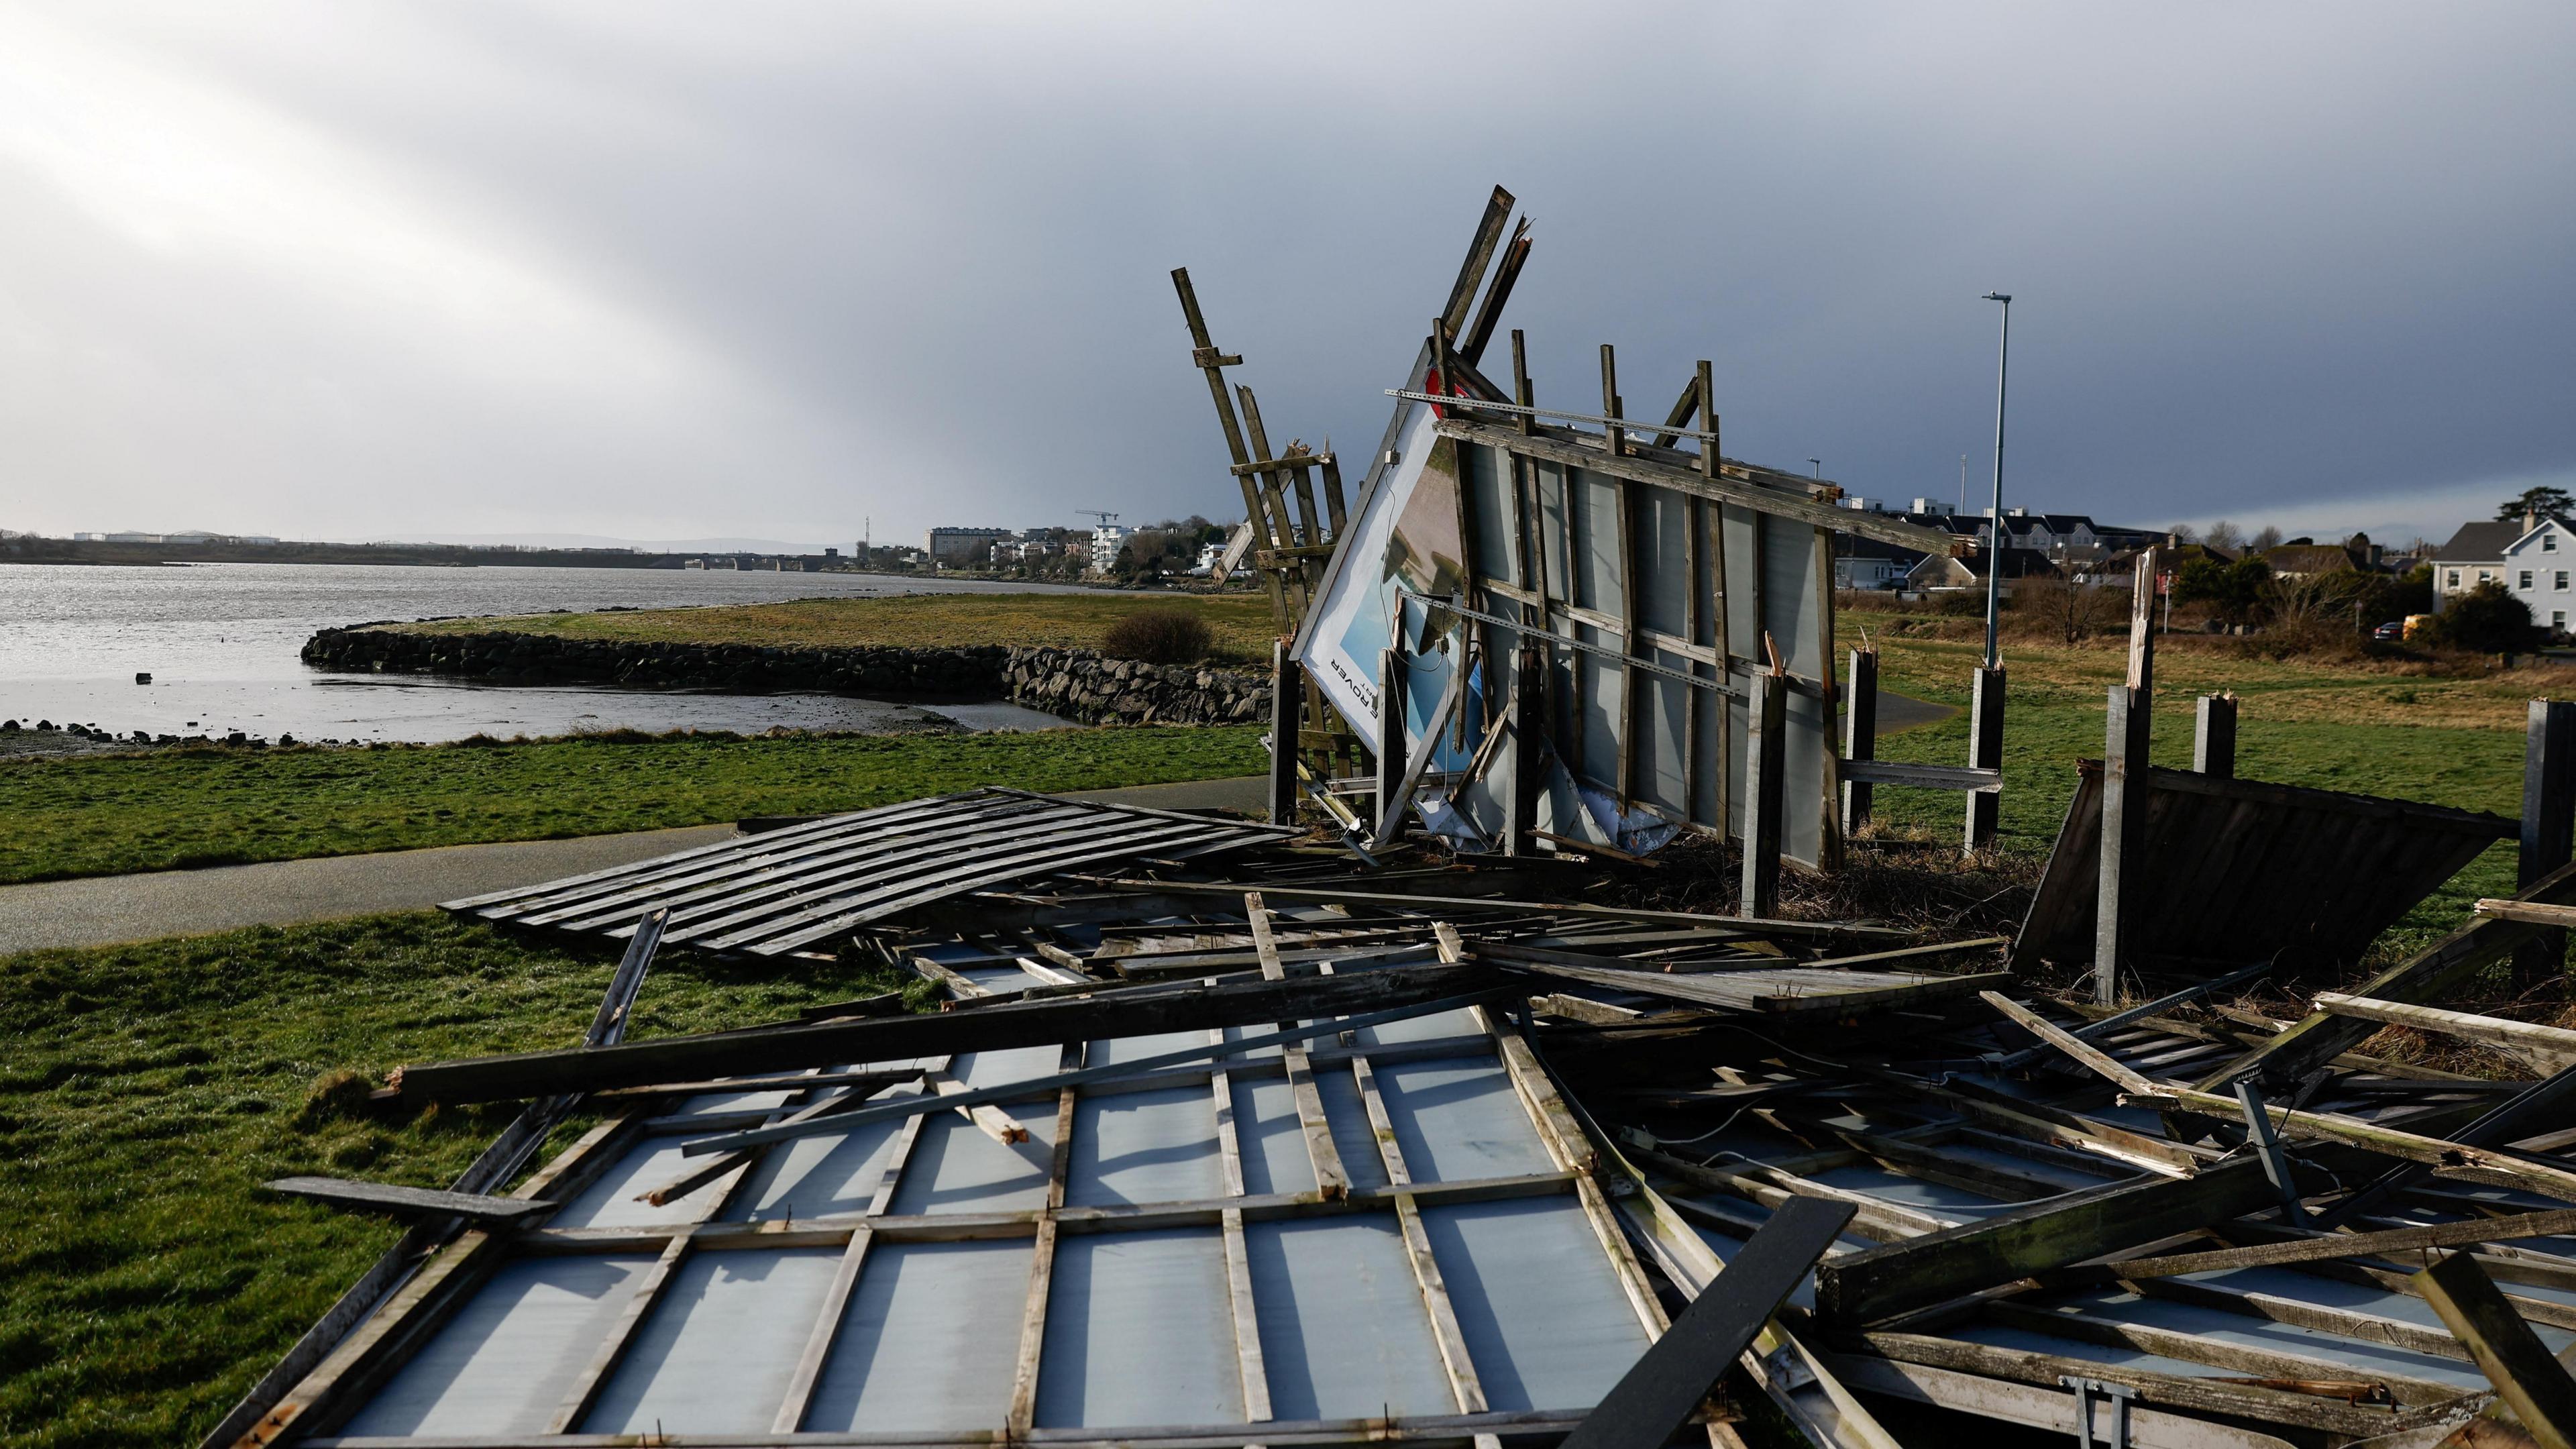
{"points": [[221, 643]]}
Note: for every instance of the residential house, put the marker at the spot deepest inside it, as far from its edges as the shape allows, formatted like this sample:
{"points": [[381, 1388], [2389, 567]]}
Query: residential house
{"points": [[1934, 575], [1868, 563], [2474, 556], [2536, 568]]}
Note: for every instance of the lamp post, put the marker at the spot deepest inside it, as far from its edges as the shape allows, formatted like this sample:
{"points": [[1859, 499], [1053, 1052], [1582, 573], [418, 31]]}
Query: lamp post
{"points": [[1820, 468], [1995, 523]]}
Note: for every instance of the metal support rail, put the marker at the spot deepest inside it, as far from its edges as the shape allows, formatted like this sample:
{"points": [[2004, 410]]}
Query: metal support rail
{"points": [[1718, 686]]}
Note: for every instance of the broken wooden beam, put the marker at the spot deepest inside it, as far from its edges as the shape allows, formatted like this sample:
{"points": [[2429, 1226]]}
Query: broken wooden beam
{"points": [[1652, 1401], [1895, 1278], [409, 1202], [2512, 1357], [1128, 1011]]}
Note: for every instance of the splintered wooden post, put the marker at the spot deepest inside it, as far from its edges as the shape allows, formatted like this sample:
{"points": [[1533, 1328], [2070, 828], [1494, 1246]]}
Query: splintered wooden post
{"points": [[2126, 737], [1390, 727], [1529, 708], [1765, 764], [1860, 734], [2213, 737], [1287, 690], [1985, 752], [2548, 812], [2512, 1357]]}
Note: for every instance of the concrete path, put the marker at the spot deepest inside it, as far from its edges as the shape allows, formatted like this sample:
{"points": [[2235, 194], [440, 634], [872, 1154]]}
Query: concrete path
{"points": [[103, 910]]}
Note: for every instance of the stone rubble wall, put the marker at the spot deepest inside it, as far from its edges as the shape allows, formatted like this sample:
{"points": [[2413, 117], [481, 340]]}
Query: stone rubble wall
{"points": [[1076, 684]]}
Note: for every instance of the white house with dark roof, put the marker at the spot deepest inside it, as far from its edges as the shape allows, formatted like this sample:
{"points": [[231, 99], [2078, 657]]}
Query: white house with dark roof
{"points": [[2474, 556], [2537, 568]]}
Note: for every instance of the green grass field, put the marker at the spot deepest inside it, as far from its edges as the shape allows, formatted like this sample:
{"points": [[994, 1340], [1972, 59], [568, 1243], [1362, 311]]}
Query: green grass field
{"points": [[107, 814], [2360, 728], [145, 1282], [1240, 623]]}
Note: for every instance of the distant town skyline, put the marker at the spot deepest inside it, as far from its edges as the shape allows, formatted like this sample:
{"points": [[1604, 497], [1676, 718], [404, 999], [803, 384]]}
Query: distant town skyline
{"points": [[662, 271]]}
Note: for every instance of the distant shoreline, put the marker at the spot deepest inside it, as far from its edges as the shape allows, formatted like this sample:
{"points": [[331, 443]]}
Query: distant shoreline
{"points": [[82, 551]]}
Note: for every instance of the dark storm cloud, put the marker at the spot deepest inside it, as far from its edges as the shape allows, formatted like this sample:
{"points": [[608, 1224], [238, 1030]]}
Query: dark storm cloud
{"points": [[662, 270]]}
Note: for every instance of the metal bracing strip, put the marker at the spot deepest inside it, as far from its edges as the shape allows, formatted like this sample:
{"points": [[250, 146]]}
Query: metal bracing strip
{"points": [[1024, 1378], [1238, 1260], [1531, 631]]}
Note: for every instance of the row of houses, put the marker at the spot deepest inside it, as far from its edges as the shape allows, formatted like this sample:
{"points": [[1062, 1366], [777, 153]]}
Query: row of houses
{"points": [[981, 547], [2050, 544]]}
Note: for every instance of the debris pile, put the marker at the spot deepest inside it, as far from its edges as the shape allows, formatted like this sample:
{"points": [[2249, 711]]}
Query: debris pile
{"points": [[1259, 1138]]}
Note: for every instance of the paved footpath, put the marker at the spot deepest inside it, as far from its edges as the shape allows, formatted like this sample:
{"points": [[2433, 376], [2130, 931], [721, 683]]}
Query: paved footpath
{"points": [[103, 910]]}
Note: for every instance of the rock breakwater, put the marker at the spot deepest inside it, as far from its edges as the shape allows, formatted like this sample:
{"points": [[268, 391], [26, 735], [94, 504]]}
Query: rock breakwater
{"points": [[1077, 684]]}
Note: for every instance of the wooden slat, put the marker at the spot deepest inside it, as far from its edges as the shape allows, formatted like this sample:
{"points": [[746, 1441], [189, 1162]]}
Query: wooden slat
{"points": [[1776, 502], [2444, 1157], [1022, 1413], [2140, 1091], [818, 1342], [612, 1348], [381, 1197], [2556, 1045], [2505, 1349]]}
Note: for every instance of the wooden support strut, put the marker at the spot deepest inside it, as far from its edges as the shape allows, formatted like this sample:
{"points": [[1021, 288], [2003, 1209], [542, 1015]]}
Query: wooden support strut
{"points": [[1985, 752], [2548, 817], [2512, 1357], [1765, 769], [1287, 687], [2127, 735], [1860, 735]]}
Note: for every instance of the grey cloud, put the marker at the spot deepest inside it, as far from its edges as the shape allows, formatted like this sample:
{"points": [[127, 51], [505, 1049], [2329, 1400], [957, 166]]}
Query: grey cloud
{"points": [[837, 261]]}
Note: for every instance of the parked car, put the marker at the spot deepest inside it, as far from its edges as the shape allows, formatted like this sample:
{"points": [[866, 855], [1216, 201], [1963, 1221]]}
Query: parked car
{"points": [[2393, 630]]}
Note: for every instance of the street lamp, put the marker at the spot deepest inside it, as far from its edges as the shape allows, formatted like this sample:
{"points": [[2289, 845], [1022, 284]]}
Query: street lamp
{"points": [[1995, 525], [1820, 468]]}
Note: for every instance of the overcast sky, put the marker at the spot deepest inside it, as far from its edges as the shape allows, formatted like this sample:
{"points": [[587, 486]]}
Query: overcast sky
{"points": [[353, 270]]}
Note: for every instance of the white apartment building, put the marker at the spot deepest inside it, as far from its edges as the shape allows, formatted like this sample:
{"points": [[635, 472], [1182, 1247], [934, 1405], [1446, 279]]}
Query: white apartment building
{"points": [[1105, 542]]}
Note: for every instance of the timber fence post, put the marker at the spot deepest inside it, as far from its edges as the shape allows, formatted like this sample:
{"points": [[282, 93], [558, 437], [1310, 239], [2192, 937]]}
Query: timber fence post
{"points": [[1860, 734], [2548, 813], [1287, 691], [2213, 736], [1985, 752]]}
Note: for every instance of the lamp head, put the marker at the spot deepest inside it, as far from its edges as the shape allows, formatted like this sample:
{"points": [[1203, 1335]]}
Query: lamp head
{"points": [[2003, 297]]}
